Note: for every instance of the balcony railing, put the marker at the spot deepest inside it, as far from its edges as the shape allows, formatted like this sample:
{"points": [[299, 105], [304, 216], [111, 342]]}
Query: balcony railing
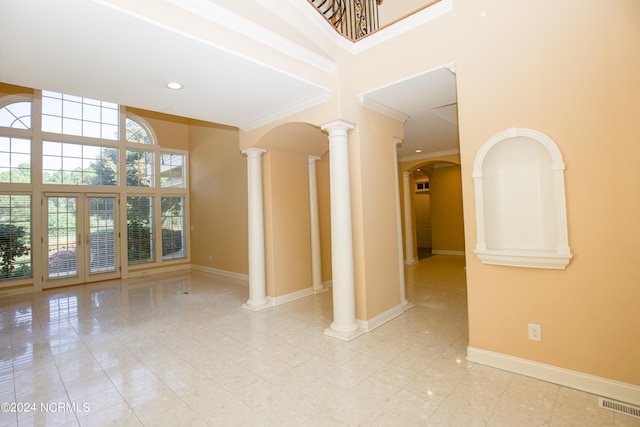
{"points": [[352, 18]]}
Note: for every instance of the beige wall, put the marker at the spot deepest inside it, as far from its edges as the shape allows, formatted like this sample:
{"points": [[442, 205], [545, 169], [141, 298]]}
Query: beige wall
{"points": [[377, 271], [392, 10], [447, 221], [171, 131], [287, 227], [569, 70], [218, 196], [324, 214]]}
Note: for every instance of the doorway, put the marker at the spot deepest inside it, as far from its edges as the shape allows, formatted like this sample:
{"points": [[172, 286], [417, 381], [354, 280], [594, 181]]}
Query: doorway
{"points": [[82, 238]]}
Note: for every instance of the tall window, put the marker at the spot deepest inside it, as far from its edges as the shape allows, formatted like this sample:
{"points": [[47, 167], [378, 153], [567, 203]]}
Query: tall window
{"points": [[140, 229], [172, 227], [86, 145], [15, 236]]}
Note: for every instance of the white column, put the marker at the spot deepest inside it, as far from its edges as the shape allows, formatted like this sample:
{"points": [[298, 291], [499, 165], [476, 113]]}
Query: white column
{"points": [[316, 260], [257, 276], [410, 257], [344, 324], [397, 142]]}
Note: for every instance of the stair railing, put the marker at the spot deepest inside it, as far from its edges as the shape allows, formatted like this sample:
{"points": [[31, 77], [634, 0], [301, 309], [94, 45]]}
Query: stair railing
{"points": [[352, 18]]}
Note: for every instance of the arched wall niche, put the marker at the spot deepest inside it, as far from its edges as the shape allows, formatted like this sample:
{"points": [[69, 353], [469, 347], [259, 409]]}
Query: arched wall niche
{"points": [[520, 201]]}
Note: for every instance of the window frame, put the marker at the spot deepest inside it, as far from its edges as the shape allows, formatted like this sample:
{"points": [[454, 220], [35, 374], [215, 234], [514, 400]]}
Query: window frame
{"points": [[36, 189]]}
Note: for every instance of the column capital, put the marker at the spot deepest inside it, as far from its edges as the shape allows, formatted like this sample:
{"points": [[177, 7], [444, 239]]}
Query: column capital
{"points": [[397, 142], [407, 173], [313, 159], [338, 125], [254, 151]]}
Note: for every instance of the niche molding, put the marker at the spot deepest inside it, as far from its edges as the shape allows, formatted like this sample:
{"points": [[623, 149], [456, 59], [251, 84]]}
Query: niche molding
{"points": [[521, 214]]}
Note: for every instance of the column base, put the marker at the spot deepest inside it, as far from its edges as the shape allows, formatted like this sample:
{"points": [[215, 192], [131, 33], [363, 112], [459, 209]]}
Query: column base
{"points": [[345, 335], [407, 305], [320, 290], [257, 307], [411, 261]]}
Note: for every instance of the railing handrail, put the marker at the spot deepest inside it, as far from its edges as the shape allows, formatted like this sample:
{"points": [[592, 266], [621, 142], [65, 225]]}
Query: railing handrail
{"points": [[352, 18]]}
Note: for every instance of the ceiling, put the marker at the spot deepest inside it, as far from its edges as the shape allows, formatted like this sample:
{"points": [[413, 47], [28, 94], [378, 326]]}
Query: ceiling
{"points": [[88, 49]]}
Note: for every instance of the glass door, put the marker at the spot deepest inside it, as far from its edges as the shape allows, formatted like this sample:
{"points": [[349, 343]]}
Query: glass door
{"points": [[82, 238]]}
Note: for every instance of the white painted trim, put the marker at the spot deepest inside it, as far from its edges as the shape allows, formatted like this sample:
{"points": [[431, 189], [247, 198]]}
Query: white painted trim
{"points": [[617, 390], [328, 284], [285, 112], [144, 273], [446, 252], [382, 109], [223, 273], [542, 257], [321, 23], [411, 261], [247, 28], [382, 318], [427, 156], [400, 27], [293, 296]]}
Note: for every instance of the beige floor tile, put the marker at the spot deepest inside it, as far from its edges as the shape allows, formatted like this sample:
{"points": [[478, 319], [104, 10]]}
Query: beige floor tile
{"points": [[152, 355]]}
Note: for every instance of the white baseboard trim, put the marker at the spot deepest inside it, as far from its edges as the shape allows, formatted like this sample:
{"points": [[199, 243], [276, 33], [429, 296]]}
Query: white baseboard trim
{"points": [[604, 387], [143, 273], [293, 296], [224, 273], [382, 318], [446, 252]]}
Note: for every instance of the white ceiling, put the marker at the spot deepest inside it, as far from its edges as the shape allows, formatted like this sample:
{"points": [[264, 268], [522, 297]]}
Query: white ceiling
{"points": [[88, 49]]}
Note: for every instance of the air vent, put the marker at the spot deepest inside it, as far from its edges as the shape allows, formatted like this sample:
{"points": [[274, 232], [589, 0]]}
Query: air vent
{"points": [[623, 408]]}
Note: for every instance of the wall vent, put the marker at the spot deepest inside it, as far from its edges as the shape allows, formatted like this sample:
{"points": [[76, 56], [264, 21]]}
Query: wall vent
{"points": [[623, 408]]}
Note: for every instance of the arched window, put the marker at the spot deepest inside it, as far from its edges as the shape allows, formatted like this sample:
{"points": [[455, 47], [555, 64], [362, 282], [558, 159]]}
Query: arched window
{"points": [[82, 153]]}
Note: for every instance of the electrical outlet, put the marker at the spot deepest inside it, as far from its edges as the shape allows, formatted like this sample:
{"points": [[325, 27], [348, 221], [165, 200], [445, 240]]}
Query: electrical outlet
{"points": [[535, 333]]}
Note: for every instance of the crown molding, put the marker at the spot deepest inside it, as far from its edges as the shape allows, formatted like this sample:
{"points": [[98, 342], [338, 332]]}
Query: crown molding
{"points": [[382, 108], [223, 17], [285, 112]]}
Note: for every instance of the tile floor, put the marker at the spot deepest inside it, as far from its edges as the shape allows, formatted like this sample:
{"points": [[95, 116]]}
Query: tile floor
{"points": [[178, 350]]}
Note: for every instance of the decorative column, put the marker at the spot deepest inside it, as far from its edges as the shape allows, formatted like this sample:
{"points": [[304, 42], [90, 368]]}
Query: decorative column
{"points": [[344, 324], [316, 260], [408, 222], [397, 142], [257, 276]]}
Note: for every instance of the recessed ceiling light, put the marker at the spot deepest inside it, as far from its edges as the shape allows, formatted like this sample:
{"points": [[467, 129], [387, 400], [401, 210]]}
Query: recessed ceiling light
{"points": [[174, 85], [418, 151]]}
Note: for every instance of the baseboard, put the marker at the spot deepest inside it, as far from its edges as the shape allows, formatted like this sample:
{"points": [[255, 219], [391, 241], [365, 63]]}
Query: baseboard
{"points": [[293, 296], [223, 273], [604, 387], [446, 252], [169, 269], [382, 318]]}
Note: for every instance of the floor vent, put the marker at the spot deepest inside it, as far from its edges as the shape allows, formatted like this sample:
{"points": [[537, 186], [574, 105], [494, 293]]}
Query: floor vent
{"points": [[623, 408]]}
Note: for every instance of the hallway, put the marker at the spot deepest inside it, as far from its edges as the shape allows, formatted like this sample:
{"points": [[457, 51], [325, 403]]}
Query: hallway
{"points": [[179, 350]]}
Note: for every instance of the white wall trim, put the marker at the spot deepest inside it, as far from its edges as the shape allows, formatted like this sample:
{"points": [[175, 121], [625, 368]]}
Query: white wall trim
{"points": [[224, 273], [400, 27], [232, 21], [446, 252], [382, 318], [286, 112], [158, 270], [617, 390], [293, 296], [382, 109]]}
